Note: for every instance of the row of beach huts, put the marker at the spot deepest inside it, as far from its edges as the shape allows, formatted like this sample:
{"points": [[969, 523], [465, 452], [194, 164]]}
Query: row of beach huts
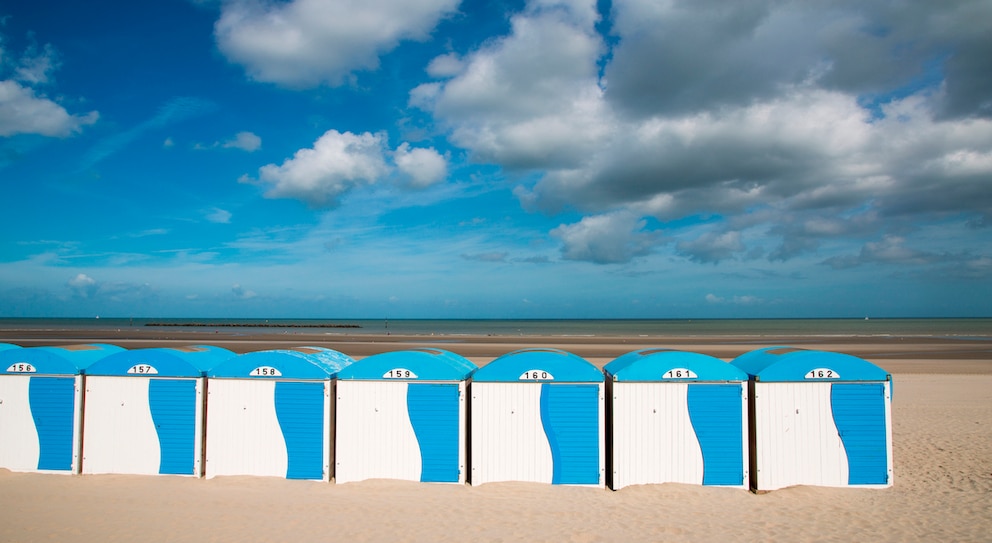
{"points": [[771, 418]]}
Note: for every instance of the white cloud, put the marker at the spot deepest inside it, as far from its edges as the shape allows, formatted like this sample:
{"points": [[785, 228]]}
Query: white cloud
{"points": [[424, 166], [24, 107], [36, 66], [305, 43], [530, 99], [246, 141], [335, 164], [23, 111], [218, 215], [604, 239], [792, 112], [83, 285]]}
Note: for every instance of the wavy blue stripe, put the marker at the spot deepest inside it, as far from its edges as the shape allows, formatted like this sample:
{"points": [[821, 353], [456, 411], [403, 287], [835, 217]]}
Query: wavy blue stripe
{"points": [[173, 406], [570, 416], [433, 410], [716, 414], [53, 404], [859, 414], [300, 411]]}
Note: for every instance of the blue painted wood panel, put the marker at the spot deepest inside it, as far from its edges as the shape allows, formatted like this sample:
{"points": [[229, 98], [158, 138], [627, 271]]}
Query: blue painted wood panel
{"points": [[173, 406], [859, 414], [570, 415], [53, 406], [433, 410], [300, 411], [716, 414]]}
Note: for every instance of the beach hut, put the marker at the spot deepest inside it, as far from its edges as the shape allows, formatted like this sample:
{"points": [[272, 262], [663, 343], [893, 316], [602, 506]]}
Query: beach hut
{"points": [[402, 415], [41, 396], [270, 413], [538, 415], [818, 418], [143, 411], [676, 417]]}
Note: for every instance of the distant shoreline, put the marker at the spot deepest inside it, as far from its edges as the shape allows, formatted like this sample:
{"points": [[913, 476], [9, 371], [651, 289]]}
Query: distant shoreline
{"points": [[248, 325]]}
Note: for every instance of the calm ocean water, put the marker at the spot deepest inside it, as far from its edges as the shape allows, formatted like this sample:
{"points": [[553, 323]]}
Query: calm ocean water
{"points": [[960, 328]]}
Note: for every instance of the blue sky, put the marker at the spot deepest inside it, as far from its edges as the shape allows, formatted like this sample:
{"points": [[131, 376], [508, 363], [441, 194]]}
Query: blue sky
{"points": [[495, 159]]}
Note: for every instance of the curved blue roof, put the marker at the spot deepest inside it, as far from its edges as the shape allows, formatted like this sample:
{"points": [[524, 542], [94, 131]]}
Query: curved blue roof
{"points": [[191, 361], [791, 364], [63, 360], [549, 365], [423, 364], [671, 365], [5, 346], [298, 363]]}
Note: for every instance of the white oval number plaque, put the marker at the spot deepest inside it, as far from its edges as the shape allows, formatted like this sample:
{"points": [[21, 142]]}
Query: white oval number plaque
{"points": [[21, 367], [536, 375], [399, 373], [680, 373], [265, 371], [142, 369], [822, 373]]}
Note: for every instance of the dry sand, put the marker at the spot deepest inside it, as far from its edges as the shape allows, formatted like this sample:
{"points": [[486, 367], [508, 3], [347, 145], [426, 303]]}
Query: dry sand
{"points": [[942, 433]]}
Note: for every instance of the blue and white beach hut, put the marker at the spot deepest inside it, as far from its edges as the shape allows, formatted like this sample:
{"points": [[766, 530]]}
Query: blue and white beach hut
{"points": [[402, 415], [818, 418], [270, 413], [676, 417], [538, 415], [41, 396], [143, 412]]}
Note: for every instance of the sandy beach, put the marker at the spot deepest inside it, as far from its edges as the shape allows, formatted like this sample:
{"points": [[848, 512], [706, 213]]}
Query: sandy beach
{"points": [[942, 434]]}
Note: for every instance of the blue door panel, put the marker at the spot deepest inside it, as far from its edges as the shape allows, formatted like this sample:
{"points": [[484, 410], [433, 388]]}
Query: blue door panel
{"points": [[53, 406], [173, 406], [433, 412], [570, 415], [859, 414], [716, 414], [300, 410]]}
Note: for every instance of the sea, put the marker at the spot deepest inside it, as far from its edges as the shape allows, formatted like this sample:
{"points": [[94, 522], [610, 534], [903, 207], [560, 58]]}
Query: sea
{"points": [[960, 328]]}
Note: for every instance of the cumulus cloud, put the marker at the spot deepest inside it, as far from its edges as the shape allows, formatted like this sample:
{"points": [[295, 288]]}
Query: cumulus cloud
{"points": [[604, 239], [796, 112], [305, 43], [246, 141], [424, 166], [336, 163], [527, 100], [25, 108], [24, 111], [83, 285], [340, 162]]}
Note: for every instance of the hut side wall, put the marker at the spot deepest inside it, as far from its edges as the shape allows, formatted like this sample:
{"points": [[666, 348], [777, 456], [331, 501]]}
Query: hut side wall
{"points": [[400, 430], [539, 432], [825, 434], [143, 425], [269, 428], [692, 433], [40, 417]]}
